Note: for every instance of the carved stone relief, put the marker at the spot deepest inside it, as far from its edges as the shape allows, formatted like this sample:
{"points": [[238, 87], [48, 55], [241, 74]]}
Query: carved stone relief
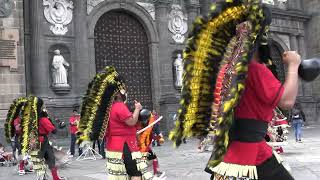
{"points": [[149, 8], [59, 14], [178, 25], [282, 4], [5, 8]]}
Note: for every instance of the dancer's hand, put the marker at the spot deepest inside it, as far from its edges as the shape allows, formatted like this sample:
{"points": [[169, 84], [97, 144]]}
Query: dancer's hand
{"points": [[137, 105], [291, 58]]}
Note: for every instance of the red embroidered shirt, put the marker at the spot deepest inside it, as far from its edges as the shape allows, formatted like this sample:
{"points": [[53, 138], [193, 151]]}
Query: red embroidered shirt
{"points": [[45, 127], [118, 131], [262, 94]]}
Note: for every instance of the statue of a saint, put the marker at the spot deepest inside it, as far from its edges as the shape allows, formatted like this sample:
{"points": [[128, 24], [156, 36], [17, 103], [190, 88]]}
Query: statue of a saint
{"points": [[178, 65], [59, 72]]}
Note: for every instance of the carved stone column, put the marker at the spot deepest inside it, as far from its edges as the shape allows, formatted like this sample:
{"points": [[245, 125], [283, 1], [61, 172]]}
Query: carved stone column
{"points": [[299, 4], [161, 15], [82, 65], [167, 102], [291, 4], [204, 7], [293, 43], [307, 87], [37, 65], [302, 47], [193, 9], [161, 11]]}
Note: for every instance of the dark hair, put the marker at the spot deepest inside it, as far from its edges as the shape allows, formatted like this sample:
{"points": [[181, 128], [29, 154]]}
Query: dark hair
{"points": [[74, 110], [43, 114]]}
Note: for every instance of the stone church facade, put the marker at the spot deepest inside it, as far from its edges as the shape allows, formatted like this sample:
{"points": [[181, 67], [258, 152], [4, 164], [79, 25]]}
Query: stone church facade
{"points": [[141, 38]]}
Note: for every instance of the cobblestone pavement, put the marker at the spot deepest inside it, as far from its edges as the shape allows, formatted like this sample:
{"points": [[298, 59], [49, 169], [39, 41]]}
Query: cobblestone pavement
{"points": [[185, 163]]}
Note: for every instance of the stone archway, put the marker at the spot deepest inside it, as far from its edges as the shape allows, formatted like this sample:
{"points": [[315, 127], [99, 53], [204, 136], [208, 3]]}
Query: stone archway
{"points": [[120, 40]]}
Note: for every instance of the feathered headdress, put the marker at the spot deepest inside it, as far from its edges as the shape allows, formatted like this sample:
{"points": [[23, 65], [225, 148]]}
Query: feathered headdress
{"points": [[30, 143], [215, 69], [14, 111], [97, 103]]}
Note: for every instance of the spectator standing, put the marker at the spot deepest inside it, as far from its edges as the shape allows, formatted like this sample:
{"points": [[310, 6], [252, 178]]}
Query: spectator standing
{"points": [[74, 119], [297, 122]]}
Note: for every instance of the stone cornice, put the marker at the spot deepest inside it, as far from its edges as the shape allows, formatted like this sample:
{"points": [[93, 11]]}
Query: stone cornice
{"points": [[292, 14], [162, 3]]}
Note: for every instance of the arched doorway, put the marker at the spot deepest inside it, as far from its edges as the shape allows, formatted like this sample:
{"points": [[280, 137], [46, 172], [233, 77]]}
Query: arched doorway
{"points": [[276, 55], [120, 40]]}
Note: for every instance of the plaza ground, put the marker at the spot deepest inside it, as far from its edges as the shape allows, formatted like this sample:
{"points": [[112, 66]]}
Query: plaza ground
{"points": [[185, 163]]}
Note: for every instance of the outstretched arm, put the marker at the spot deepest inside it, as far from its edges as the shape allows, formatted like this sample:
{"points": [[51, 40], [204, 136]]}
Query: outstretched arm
{"points": [[288, 98]]}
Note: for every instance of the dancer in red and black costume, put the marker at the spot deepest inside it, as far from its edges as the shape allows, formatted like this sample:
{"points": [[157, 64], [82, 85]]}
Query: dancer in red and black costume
{"points": [[230, 92], [262, 94], [45, 128]]}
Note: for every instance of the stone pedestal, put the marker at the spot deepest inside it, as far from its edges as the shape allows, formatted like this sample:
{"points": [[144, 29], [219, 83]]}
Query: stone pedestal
{"points": [[169, 105], [61, 89]]}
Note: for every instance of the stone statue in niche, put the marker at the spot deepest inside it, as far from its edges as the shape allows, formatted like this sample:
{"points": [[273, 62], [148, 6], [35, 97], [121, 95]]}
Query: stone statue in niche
{"points": [[59, 71], [59, 14], [5, 8], [178, 25], [178, 66]]}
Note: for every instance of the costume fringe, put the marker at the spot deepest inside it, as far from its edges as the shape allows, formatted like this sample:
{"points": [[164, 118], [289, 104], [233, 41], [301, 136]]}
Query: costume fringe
{"points": [[117, 170], [13, 112], [38, 164], [142, 165], [239, 171], [235, 170]]}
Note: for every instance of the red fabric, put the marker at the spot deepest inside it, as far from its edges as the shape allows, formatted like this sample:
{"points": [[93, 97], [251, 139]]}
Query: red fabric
{"points": [[155, 166], [45, 127], [21, 165], [262, 94], [54, 173], [73, 125], [118, 131], [17, 126]]}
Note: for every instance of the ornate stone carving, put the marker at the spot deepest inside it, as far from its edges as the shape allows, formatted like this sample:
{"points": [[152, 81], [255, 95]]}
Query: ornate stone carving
{"points": [[59, 14], [59, 72], [178, 25], [178, 66], [91, 4], [149, 8], [282, 4], [5, 8]]}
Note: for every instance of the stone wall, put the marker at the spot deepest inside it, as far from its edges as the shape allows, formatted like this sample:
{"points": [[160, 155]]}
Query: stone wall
{"points": [[12, 68]]}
